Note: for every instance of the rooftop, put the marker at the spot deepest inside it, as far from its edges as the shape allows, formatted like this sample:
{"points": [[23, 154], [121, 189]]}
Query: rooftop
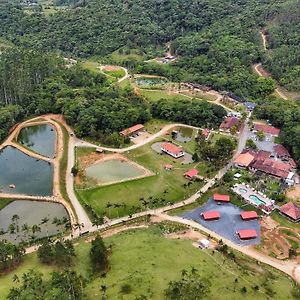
{"points": [[223, 198], [132, 129], [248, 215], [191, 173], [244, 159], [229, 122], [281, 151], [211, 215], [267, 129], [171, 148], [247, 234], [292, 210]]}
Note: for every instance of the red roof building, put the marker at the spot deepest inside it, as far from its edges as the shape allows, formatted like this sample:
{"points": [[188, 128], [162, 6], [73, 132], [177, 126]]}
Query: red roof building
{"points": [[291, 210], [132, 130], [205, 132], [246, 234], [172, 150], [221, 198], [168, 167], [281, 151], [228, 123], [267, 129], [211, 215], [191, 174], [248, 215]]}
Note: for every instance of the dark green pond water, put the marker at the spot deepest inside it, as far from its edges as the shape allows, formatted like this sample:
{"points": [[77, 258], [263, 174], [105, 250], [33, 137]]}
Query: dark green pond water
{"points": [[31, 213], [29, 175], [150, 81], [40, 138]]}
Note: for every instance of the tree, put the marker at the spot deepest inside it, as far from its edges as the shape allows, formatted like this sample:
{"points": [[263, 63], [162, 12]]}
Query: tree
{"points": [[261, 135], [250, 144], [191, 286], [99, 256]]}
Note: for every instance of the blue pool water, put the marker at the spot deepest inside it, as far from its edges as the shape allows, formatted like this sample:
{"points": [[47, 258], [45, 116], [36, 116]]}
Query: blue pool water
{"points": [[243, 191], [256, 200]]}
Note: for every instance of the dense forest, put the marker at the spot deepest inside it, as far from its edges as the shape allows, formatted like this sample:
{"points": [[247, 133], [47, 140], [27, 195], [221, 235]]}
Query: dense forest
{"points": [[217, 41]]}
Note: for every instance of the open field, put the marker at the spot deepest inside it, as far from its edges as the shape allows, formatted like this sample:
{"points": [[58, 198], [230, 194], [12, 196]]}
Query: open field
{"points": [[159, 255], [4, 202], [155, 95], [127, 197]]}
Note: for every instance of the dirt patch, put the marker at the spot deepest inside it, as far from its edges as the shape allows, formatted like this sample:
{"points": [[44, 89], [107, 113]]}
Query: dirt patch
{"points": [[111, 68], [278, 240], [141, 138], [294, 193]]}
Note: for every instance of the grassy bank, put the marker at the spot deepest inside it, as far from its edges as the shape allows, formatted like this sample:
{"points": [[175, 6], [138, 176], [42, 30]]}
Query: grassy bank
{"points": [[162, 261], [4, 202]]}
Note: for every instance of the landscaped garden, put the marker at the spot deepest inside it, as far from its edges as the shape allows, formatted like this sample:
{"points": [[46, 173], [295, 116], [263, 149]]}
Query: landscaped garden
{"points": [[163, 188], [164, 260]]}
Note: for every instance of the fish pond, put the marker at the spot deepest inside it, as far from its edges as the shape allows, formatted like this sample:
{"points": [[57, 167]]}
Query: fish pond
{"points": [[22, 174], [39, 138], [113, 170], [23, 214], [184, 135]]}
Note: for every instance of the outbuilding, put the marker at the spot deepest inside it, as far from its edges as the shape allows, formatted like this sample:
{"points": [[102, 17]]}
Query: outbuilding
{"points": [[246, 234], [191, 174], [210, 215], [172, 150], [248, 215], [221, 198]]}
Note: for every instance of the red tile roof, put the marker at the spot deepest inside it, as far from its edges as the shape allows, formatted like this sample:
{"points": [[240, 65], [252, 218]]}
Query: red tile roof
{"points": [[132, 129], [205, 132], [248, 215], [228, 123], [292, 210], [247, 234], [168, 166], [171, 148], [191, 173], [262, 155], [211, 215], [281, 151], [272, 167], [223, 198], [267, 129], [244, 159]]}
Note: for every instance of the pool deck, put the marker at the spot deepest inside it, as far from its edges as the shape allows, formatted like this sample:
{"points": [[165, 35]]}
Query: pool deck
{"points": [[247, 191], [229, 223]]}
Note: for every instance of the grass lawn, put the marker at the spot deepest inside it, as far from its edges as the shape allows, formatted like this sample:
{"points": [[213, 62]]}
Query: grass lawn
{"points": [[158, 190], [4, 202], [91, 65], [118, 57], [116, 74], [146, 261], [156, 95]]}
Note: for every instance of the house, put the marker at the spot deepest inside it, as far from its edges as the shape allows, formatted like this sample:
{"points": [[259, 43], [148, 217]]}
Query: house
{"points": [[205, 133], [168, 167], [291, 210], [281, 152], [246, 234], [136, 129], [244, 160], [221, 198], [191, 174], [248, 215], [268, 129], [250, 105], [210, 215], [172, 149], [228, 124]]}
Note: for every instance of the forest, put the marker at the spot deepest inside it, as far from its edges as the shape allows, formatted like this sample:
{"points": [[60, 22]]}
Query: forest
{"points": [[217, 41]]}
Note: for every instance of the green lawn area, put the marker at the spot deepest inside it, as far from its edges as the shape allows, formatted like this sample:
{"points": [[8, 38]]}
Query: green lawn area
{"points": [[158, 190], [91, 65], [156, 95], [116, 74], [135, 54], [147, 261], [4, 202]]}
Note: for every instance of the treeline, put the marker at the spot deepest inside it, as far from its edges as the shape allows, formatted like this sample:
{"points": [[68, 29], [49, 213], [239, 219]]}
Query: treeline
{"points": [[196, 113], [288, 122], [283, 59]]}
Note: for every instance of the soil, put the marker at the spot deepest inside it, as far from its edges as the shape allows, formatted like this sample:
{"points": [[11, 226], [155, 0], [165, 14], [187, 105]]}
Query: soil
{"points": [[294, 193], [111, 68]]}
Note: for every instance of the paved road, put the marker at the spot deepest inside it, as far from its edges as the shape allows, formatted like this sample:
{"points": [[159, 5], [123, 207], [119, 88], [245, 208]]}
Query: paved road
{"points": [[125, 76]]}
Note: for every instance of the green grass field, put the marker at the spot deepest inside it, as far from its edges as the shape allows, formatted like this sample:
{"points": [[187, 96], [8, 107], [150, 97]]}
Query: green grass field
{"points": [[163, 188], [156, 95], [116, 74], [146, 261], [4, 202]]}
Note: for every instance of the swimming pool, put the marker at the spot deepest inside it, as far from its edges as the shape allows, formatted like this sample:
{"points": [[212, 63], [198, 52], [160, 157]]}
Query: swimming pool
{"points": [[256, 200], [242, 190]]}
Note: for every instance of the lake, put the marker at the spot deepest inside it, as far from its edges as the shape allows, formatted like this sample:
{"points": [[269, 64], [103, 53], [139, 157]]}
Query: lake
{"points": [[31, 213], [39, 138], [150, 81], [29, 175]]}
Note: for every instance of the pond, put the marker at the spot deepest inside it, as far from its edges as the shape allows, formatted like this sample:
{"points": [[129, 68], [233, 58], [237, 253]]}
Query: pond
{"points": [[150, 81], [32, 213], [25, 174], [113, 170], [39, 138], [184, 135]]}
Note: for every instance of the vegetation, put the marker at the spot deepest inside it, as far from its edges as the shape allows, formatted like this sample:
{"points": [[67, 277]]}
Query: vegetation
{"points": [[148, 267], [10, 255], [99, 256]]}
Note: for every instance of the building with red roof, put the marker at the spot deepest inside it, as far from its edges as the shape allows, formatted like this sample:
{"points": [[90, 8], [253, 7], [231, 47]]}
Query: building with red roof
{"points": [[228, 123], [268, 129], [168, 167], [172, 150], [246, 234], [221, 198], [244, 160], [132, 130], [191, 174], [205, 133], [210, 215], [291, 210], [248, 215], [281, 152]]}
